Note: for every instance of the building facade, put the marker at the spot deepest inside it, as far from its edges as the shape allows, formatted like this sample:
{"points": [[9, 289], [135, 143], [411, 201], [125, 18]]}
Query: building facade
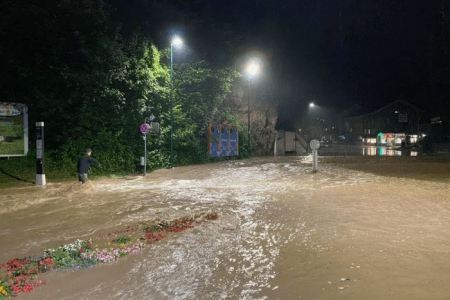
{"points": [[397, 123]]}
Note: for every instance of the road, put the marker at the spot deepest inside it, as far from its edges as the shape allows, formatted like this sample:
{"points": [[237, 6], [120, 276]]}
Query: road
{"points": [[346, 232]]}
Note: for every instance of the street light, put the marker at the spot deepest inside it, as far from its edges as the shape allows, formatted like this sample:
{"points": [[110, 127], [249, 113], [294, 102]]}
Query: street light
{"points": [[252, 70], [312, 105], [176, 42]]}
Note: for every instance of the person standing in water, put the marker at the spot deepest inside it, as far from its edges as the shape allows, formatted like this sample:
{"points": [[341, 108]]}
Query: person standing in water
{"points": [[84, 164]]}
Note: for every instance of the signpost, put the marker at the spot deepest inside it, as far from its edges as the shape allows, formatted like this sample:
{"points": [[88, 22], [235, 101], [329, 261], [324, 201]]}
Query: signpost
{"points": [[315, 145], [144, 129], [40, 175]]}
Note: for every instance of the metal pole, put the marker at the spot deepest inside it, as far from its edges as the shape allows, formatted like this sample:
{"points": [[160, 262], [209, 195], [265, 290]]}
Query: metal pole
{"points": [[145, 155], [171, 105], [315, 162], [25, 129], [40, 175], [248, 118]]}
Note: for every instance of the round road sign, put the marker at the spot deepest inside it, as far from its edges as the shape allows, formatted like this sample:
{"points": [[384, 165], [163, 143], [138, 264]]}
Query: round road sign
{"points": [[314, 144], [144, 128]]}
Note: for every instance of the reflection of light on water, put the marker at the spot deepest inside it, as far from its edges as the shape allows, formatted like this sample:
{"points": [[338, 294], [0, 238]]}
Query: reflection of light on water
{"points": [[384, 151], [392, 152], [369, 151]]}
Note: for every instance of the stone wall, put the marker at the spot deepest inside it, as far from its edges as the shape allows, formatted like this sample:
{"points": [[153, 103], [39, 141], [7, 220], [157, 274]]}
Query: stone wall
{"points": [[263, 119]]}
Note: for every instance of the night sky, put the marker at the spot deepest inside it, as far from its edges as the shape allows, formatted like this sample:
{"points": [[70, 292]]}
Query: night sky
{"points": [[335, 53]]}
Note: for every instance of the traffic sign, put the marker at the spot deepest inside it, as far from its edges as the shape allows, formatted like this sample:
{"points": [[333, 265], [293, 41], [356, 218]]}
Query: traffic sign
{"points": [[314, 144], [144, 128]]}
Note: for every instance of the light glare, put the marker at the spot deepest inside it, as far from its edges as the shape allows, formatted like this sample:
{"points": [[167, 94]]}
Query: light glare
{"points": [[253, 68], [177, 41], [312, 105]]}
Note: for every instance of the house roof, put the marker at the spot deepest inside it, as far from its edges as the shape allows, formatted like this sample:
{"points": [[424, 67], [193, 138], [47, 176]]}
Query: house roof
{"points": [[393, 103], [398, 102]]}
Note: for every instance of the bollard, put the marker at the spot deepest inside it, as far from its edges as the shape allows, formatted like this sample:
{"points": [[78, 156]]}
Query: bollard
{"points": [[315, 145], [315, 162], [142, 163], [40, 174]]}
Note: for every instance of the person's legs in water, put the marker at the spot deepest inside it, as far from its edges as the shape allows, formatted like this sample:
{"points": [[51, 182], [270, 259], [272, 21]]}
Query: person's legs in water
{"points": [[82, 177]]}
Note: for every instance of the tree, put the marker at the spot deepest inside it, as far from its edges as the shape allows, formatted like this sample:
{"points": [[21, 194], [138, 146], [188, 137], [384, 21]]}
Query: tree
{"points": [[71, 64]]}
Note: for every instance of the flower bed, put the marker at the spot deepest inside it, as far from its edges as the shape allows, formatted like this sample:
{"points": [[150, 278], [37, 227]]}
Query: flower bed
{"points": [[21, 275]]}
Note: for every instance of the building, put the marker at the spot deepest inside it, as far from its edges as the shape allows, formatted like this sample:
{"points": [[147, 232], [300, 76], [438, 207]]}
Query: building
{"points": [[397, 123], [289, 142]]}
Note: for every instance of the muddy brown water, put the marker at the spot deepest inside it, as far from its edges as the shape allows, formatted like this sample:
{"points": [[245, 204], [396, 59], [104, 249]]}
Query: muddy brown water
{"points": [[283, 232]]}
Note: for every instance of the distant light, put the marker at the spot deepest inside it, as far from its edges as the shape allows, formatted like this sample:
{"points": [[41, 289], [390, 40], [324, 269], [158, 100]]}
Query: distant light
{"points": [[311, 105], [396, 112], [372, 141], [176, 41], [253, 68]]}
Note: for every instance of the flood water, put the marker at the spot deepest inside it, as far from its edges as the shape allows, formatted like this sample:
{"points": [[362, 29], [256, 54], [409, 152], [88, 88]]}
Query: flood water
{"points": [[282, 233]]}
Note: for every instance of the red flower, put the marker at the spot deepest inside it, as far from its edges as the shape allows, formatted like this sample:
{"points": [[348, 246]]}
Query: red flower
{"points": [[17, 289], [153, 237], [27, 288], [45, 264], [48, 261], [16, 264], [21, 279], [176, 229], [180, 226]]}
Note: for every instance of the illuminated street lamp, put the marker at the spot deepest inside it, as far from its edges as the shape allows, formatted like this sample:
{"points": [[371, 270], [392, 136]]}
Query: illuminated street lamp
{"points": [[176, 42], [312, 105], [252, 70]]}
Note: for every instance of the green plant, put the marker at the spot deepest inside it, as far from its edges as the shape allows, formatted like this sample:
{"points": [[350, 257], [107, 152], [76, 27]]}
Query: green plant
{"points": [[5, 291], [122, 240], [70, 255]]}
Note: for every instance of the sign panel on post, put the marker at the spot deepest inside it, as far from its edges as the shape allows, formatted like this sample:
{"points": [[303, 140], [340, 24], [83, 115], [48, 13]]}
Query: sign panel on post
{"points": [[13, 129], [223, 141], [144, 129]]}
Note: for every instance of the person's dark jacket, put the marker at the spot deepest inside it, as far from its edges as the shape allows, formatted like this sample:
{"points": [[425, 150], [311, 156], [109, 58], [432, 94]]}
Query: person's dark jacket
{"points": [[84, 164]]}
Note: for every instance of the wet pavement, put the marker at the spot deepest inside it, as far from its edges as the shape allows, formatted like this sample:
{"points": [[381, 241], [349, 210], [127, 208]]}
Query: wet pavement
{"points": [[283, 233]]}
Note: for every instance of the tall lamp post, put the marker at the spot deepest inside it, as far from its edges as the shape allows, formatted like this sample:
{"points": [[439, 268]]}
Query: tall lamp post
{"points": [[252, 70], [176, 42]]}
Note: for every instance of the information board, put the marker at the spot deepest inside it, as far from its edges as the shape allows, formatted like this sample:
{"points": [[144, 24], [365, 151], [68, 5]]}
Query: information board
{"points": [[13, 129], [223, 140]]}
